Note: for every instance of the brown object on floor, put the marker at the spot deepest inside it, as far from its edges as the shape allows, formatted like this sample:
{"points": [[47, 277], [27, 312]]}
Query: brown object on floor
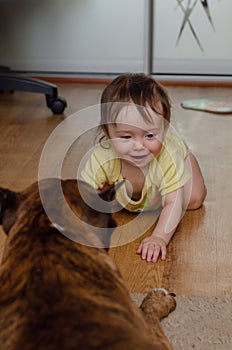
{"points": [[201, 323], [66, 293]]}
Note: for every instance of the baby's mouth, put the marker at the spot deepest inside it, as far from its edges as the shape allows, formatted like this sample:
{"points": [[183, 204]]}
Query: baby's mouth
{"points": [[139, 157]]}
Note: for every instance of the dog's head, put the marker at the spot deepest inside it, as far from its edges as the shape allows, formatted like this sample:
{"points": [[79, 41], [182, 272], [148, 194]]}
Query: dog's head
{"points": [[57, 208]]}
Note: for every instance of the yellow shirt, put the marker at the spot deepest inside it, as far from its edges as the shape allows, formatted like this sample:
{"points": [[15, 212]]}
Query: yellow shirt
{"points": [[167, 172]]}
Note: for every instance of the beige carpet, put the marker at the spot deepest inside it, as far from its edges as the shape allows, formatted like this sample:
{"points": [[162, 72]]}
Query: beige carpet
{"points": [[201, 323]]}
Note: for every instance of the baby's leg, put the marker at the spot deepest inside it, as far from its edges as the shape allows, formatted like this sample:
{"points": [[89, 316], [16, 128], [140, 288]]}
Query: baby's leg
{"points": [[194, 189]]}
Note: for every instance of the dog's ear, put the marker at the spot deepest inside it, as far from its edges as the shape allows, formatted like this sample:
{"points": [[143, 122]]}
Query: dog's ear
{"points": [[102, 201], [8, 201], [109, 194]]}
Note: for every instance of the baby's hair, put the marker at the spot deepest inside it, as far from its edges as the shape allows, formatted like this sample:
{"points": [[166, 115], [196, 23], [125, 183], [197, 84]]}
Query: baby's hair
{"points": [[136, 88]]}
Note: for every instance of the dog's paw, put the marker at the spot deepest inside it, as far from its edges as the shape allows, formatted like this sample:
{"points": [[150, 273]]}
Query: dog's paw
{"points": [[165, 291], [158, 303]]}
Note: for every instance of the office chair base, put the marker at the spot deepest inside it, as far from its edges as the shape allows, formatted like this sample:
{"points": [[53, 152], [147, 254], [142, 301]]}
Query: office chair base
{"points": [[17, 82]]}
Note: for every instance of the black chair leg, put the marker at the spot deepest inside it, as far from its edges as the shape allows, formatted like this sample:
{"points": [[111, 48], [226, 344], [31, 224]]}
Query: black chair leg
{"points": [[17, 82]]}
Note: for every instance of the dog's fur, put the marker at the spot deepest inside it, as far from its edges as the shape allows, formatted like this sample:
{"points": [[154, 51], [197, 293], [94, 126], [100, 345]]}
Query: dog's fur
{"points": [[58, 294]]}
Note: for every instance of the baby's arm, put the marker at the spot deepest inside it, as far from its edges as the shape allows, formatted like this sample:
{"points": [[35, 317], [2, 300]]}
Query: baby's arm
{"points": [[170, 216]]}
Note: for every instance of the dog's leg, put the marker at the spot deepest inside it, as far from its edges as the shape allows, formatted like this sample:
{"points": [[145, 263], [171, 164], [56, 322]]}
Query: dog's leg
{"points": [[157, 304]]}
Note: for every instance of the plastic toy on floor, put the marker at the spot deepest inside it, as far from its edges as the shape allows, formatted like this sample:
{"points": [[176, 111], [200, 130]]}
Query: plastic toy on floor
{"points": [[208, 105]]}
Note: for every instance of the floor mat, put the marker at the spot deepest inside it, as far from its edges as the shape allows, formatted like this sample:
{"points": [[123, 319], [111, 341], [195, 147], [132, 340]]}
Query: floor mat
{"points": [[208, 105]]}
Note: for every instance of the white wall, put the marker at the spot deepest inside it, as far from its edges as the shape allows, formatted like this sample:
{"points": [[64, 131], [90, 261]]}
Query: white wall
{"points": [[73, 35], [106, 36]]}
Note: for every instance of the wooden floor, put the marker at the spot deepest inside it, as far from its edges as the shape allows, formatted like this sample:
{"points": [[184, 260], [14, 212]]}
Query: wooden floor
{"points": [[200, 254]]}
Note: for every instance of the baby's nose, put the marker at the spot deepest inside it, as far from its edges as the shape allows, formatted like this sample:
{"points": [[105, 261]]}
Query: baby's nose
{"points": [[138, 144]]}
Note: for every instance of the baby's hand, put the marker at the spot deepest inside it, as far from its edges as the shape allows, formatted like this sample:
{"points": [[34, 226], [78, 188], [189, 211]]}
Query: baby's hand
{"points": [[150, 248]]}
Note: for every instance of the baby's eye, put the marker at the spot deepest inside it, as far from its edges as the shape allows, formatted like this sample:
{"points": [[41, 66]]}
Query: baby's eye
{"points": [[150, 136], [125, 137]]}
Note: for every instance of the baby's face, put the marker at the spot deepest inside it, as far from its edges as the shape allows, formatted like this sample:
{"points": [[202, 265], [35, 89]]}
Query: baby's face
{"points": [[134, 139]]}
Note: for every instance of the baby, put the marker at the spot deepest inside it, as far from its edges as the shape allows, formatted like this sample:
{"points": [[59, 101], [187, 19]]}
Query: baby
{"points": [[138, 146]]}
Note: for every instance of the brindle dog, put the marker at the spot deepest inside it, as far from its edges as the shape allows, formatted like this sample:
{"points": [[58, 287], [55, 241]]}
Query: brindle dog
{"points": [[59, 294]]}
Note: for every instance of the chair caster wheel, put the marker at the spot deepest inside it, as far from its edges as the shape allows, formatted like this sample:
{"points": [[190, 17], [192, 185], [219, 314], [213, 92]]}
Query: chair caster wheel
{"points": [[57, 104]]}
